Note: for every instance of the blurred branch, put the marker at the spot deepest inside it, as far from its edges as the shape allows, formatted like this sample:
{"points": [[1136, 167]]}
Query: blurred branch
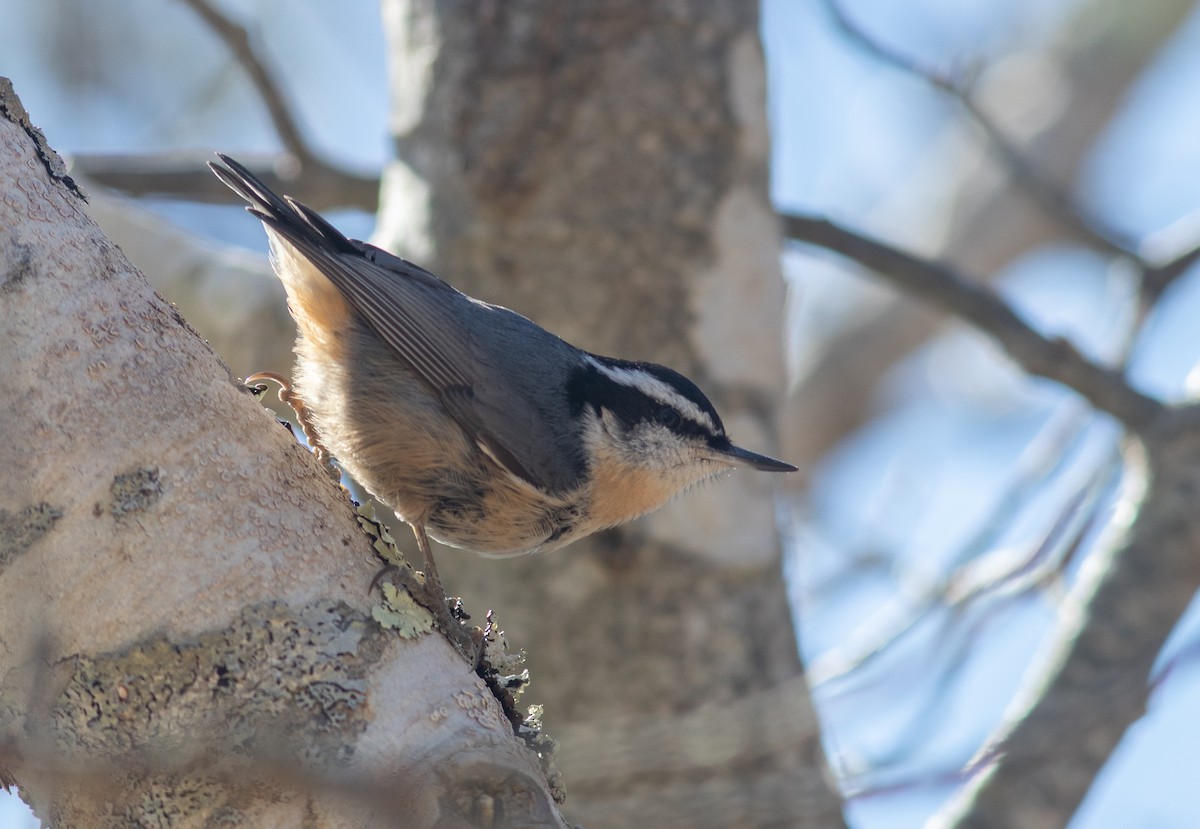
{"points": [[299, 171], [1015, 577], [1052, 198], [1156, 276], [1090, 683], [186, 176], [1186, 657], [1160, 277], [974, 577], [1172, 252], [237, 41], [1102, 48], [859, 789], [1053, 358]]}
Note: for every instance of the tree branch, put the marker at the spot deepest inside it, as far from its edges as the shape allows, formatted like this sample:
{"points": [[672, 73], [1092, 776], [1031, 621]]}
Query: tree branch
{"points": [[1052, 198], [1052, 358], [186, 176], [237, 40], [299, 171], [993, 222], [1170, 253], [1091, 682]]}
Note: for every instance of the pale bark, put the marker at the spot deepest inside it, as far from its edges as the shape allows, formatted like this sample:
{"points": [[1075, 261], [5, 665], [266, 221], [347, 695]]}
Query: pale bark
{"points": [[602, 168], [230, 297], [186, 636]]}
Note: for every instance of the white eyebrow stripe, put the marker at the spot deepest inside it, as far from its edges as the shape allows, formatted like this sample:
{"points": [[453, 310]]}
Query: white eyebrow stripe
{"points": [[651, 386]]}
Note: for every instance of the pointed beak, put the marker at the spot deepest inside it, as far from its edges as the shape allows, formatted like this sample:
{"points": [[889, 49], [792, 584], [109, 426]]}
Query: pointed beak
{"points": [[744, 457]]}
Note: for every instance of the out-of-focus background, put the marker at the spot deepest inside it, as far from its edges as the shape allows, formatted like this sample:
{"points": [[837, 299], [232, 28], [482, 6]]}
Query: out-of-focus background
{"points": [[947, 500]]}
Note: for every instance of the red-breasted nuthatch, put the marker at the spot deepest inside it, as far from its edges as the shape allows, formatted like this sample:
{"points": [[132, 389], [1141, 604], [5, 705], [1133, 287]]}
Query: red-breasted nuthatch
{"points": [[478, 427]]}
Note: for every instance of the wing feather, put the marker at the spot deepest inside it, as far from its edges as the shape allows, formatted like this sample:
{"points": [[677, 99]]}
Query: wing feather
{"points": [[421, 318]]}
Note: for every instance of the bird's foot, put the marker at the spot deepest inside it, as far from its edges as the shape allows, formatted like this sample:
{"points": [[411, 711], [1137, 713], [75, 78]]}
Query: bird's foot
{"points": [[288, 396]]}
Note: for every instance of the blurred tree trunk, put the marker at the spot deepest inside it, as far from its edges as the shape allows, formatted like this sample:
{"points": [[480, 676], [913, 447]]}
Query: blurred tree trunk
{"points": [[602, 169], [186, 636]]}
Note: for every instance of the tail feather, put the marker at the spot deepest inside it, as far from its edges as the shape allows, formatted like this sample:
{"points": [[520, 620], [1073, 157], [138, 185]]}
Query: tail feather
{"points": [[282, 213]]}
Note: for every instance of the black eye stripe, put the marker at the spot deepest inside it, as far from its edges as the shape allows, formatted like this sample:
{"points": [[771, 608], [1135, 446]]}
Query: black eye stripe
{"points": [[684, 387], [589, 383], [588, 386]]}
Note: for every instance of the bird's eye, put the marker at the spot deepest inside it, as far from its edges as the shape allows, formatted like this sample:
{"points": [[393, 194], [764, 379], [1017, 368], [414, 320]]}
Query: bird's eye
{"points": [[668, 417]]}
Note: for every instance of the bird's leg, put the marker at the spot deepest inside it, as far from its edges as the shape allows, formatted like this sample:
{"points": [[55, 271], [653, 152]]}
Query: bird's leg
{"points": [[468, 640], [303, 416], [431, 573]]}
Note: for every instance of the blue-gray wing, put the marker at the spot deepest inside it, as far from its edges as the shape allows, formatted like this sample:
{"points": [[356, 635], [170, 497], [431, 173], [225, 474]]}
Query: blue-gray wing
{"points": [[500, 376]]}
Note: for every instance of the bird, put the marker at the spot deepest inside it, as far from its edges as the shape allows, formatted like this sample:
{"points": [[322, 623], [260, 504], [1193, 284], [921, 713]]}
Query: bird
{"points": [[477, 426]]}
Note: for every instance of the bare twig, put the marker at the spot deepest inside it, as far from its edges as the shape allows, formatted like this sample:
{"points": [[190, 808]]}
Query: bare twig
{"points": [[186, 176], [1051, 197], [1160, 277], [237, 40], [1157, 273], [866, 786], [299, 171], [1052, 358], [1185, 657], [1171, 253], [966, 586]]}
